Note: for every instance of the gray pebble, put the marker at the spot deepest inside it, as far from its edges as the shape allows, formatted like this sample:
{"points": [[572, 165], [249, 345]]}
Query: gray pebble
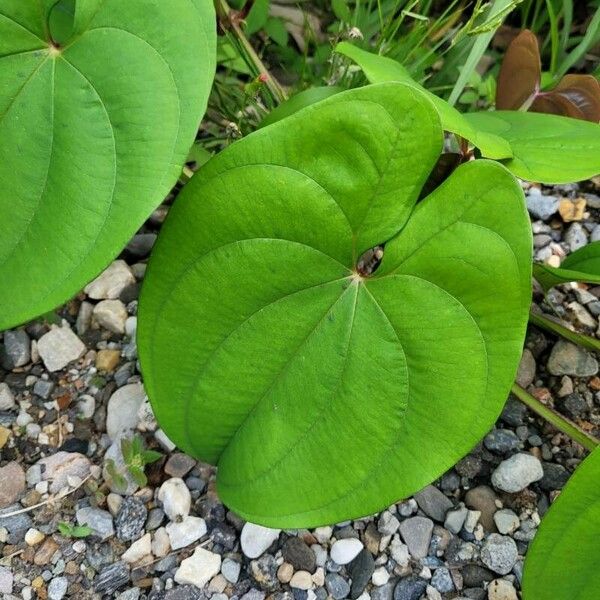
{"points": [[576, 236], [574, 405], [296, 552], [16, 349], [569, 359], [433, 503], [555, 477], [99, 521], [527, 366], [455, 519], [131, 519], [16, 525], [130, 594], [384, 592], [501, 441], [416, 533], [499, 553], [542, 207], [254, 594], [360, 571], [517, 472], [410, 588], [231, 570], [155, 518], [43, 388], [58, 588], [442, 581], [111, 578], [337, 586]]}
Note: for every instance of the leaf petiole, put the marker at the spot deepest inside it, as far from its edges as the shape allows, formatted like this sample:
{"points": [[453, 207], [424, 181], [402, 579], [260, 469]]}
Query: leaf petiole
{"points": [[555, 418]]}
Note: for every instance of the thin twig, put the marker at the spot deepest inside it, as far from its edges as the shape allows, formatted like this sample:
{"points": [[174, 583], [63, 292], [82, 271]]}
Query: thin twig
{"points": [[59, 496], [5, 560]]}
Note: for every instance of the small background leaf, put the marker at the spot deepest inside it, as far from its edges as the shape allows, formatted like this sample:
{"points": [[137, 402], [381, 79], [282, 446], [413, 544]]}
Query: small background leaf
{"points": [[562, 562], [547, 148], [520, 74], [581, 265], [576, 96]]}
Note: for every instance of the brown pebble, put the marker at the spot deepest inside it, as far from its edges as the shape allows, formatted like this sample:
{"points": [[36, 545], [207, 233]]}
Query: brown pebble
{"points": [[483, 498], [108, 360], [63, 401], [12, 483], [179, 465], [572, 210], [4, 436], [542, 394], [71, 568], [28, 554], [44, 555]]}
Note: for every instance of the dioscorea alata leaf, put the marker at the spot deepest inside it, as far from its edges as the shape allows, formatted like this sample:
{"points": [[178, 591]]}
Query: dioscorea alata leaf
{"points": [[322, 393], [562, 563], [546, 148], [581, 265], [93, 133], [380, 69]]}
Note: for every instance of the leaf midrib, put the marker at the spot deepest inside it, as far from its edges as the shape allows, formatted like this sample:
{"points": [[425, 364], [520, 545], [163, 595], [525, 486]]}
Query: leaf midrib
{"points": [[284, 369]]}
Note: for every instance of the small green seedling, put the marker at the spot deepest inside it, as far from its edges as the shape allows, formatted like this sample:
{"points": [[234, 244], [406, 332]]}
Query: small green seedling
{"points": [[135, 457], [74, 531]]}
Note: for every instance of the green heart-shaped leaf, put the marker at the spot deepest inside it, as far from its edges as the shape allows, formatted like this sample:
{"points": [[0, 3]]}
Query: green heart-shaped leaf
{"points": [[547, 148], [93, 133], [323, 394], [562, 563], [380, 69], [581, 265]]}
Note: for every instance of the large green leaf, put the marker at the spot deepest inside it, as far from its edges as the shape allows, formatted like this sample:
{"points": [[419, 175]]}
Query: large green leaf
{"points": [[563, 561], [322, 394], [581, 265], [92, 134], [379, 69], [547, 148], [298, 102]]}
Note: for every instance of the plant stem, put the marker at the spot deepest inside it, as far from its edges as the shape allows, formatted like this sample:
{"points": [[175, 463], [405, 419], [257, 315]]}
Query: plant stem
{"points": [[555, 418], [226, 14], [577, 338], [478, 49]]}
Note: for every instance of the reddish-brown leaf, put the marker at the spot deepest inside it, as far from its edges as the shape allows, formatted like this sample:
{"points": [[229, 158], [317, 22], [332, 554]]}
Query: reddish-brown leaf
{"points": [[520, 73], [576, 96]]}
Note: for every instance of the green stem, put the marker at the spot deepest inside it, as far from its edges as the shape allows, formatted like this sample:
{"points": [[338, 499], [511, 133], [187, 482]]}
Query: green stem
{"points": [[554, 418], [478, 49], [226, 14], [577, 338]]}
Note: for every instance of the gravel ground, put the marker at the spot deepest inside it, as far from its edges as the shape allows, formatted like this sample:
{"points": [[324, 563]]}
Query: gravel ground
{"points": [[70, 391]]}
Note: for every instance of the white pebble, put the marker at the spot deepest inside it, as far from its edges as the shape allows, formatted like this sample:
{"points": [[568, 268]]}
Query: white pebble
{"points": [[34, 537], [176, 498], [345, 551], [380, 576], [186, 532], [161, 545], [255, 539], [199, 568], [138, 549]]}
